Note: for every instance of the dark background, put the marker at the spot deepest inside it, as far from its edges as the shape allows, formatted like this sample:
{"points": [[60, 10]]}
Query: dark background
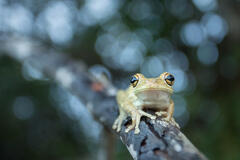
{"points": [[197, 41]]}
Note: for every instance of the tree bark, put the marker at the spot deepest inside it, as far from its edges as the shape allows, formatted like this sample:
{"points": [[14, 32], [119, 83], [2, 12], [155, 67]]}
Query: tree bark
{"points": [[157, 139]]}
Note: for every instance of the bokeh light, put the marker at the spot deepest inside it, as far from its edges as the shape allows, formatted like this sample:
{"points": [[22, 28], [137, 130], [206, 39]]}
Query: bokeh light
{"points": [[192, 34], [216, 27], [18, 19], [31, 73], [124, 51], [152, 67], [179, 8], [206, 5], [58, 25], [94, 11], [75, 110], [207, 53], [140, 10]]}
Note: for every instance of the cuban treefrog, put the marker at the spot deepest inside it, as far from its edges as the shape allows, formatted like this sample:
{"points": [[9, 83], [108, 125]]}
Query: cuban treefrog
{"points": [[145, 93]]}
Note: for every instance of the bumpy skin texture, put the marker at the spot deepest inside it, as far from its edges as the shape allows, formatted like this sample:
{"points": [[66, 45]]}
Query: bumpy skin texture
{"points": [[145, 93]]}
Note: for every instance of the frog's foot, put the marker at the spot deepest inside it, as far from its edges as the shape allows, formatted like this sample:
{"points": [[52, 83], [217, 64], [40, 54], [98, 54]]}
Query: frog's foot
{"points": [[146, 114], [167, 118], [161, 113], [136, 117], [118, 123], [115, 124]]}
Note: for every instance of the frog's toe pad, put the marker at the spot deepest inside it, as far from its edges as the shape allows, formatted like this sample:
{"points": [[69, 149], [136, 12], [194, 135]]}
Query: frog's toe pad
{"points": [[118, 129], [115, 124], [167, 119], [127, 130], [161, 113], [137, 131], [153, 117]]}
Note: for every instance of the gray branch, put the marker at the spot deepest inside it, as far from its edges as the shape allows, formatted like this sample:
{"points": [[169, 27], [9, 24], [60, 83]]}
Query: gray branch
{"points": [[157, 139]]}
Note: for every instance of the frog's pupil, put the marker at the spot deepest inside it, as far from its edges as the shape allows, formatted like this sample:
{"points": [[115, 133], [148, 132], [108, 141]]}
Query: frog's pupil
{"points": [[170, 78], [133, 79]]}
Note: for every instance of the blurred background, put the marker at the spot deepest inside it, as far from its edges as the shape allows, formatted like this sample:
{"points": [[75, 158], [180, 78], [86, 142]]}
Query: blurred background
{"points": [[198, 41]]}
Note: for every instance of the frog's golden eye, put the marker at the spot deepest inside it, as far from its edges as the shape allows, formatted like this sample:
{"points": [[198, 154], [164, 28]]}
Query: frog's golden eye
{"points": [[134, 80], [169, 79]]}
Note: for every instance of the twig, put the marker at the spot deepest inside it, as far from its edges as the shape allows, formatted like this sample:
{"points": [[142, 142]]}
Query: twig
{"points": [[157, 139]]}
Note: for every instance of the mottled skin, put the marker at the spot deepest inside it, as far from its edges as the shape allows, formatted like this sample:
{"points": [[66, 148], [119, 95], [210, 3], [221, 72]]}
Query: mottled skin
{"points": [[150, 93]]}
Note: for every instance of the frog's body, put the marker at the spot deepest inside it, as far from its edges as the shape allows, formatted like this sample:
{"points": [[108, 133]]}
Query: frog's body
{"points": [[145, 93]]}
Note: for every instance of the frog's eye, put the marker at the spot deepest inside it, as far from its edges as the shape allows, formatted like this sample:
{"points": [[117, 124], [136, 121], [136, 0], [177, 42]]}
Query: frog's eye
{"points": [[169, 79], [134, 80]]}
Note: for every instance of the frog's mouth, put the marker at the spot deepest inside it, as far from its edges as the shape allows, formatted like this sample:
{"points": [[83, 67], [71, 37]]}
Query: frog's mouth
{"points": [[153, 94]]}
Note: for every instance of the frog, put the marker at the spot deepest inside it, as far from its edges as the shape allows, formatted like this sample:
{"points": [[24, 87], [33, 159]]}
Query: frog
{"points": [[145, 93]]}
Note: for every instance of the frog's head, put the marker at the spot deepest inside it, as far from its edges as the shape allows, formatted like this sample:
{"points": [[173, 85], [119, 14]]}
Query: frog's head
{"points": [[142, 86]]}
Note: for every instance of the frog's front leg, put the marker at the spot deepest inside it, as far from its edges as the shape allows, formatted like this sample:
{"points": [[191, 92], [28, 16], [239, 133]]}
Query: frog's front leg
{"points": [[170, 111], [167, 114], [135, 122], [136, 115], [118, 122]]}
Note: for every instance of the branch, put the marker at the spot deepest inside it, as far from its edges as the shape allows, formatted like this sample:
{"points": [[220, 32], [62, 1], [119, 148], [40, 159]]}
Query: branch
{"points": [[157, 139]]}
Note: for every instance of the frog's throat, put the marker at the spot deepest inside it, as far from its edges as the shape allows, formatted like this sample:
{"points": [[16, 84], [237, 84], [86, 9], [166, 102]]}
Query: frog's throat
{"points": [[154, 89]]}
